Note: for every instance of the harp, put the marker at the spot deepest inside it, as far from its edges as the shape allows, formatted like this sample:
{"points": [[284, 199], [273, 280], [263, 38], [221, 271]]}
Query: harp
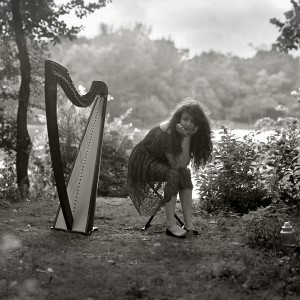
{"points": [[78, 197]]}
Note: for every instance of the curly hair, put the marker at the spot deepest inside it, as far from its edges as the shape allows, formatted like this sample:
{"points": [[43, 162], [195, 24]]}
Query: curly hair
{"points": [[201, 141]]}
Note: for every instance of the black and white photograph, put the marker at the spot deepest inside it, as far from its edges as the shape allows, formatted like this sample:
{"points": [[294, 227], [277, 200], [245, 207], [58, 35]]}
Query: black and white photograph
{"points": [[149, 149]]}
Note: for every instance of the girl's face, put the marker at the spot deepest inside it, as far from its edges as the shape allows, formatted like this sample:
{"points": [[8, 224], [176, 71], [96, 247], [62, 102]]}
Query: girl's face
{"points": [[187, 122]]}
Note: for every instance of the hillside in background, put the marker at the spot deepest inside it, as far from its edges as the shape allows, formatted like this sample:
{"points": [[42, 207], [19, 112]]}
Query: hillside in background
{"points": [[152, 76]]}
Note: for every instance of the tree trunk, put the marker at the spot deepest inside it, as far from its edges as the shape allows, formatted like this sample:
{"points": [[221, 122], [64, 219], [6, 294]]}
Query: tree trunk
{"points": [[23, 138]]}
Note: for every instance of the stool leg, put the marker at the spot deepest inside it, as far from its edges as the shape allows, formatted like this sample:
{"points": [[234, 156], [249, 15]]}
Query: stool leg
{"points": [[148, 224], [179, 221]]}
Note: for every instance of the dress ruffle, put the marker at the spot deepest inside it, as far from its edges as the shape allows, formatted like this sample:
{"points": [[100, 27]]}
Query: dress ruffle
{"points": [[151, 180]]}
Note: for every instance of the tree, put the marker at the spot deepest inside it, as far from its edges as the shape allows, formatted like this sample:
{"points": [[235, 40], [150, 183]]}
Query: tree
{"points": [[289, 38], [28, 26]]}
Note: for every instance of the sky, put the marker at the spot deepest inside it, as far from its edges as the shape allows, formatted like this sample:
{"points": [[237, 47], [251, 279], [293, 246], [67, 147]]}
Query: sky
{"points": [[237, 27]]}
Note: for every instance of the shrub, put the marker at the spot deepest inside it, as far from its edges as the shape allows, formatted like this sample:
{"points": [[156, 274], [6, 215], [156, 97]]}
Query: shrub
{"points": [[232, 181], [72, 121], [117, 143], [262, 228], [8, 179], [282, 168], [8, 137], [8, 131], [42, 183]]}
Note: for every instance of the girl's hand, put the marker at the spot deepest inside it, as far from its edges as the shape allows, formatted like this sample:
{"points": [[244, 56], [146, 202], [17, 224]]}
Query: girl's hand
{"points": [[181, 130], [194, 131]]}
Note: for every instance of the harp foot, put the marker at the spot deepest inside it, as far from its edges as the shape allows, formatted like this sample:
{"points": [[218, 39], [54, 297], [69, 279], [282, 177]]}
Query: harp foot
{"points": [[74, 231], [94, 229]]}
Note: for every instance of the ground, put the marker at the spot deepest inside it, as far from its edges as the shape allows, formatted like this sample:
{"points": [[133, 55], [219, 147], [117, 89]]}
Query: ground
{"points": [[119, 261]]}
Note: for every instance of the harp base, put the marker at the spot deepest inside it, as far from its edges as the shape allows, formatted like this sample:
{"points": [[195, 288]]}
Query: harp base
{"points": [[72, 231]]}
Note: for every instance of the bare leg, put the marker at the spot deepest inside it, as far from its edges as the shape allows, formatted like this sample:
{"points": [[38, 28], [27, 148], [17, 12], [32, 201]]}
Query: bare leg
{"points": [[186, 204], [171, 221]]}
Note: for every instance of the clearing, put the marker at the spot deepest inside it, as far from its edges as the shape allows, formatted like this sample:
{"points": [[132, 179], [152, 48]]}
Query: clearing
{"points": [[119, 261]]}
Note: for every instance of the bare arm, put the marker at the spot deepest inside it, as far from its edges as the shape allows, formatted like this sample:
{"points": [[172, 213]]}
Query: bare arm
{"points": [[182, 160], [185, 155], [173, 161]]}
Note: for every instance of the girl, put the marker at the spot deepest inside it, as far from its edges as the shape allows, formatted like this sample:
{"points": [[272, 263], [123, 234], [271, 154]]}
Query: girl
{"points": [[158, 165]]}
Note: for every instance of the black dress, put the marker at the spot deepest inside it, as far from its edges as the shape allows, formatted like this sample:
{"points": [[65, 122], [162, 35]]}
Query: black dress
{"points": [[151, 180]]}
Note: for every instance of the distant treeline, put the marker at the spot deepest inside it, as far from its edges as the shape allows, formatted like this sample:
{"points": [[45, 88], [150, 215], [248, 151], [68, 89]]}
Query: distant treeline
{"points": [[152, 76]]}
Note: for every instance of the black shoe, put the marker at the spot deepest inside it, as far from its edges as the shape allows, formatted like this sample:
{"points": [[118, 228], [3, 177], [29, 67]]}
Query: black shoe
{"points": [[170, 233], [195, 232]]}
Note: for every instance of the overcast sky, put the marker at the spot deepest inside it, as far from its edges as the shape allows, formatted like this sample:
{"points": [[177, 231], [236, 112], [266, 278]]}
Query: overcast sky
{"points": [[227, 26]]}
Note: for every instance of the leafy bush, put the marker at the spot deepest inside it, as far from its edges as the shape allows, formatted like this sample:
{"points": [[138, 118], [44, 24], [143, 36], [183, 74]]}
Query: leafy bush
{"points": [[42, 183], [117, 143], [8, 131], [72, 121], [248, 173], [282, 168], [232, 181], [8, 179], [263, 233], [262, 228], [39, 170], [8, 137]]}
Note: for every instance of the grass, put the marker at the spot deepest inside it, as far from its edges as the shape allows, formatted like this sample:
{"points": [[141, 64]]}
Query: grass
{"points": [[119, 261]]}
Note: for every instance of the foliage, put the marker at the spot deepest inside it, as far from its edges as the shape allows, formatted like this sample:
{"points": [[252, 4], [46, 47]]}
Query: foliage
{"points": [[117, 143], [282, 165], [71, 123], [8, 131], [249, 173], [42, 24], [42, 21], [232, 181], [40, 169], [8, 188], [26, 29], [115, 149], [139, 70], [289, 38], [262, 228]]}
